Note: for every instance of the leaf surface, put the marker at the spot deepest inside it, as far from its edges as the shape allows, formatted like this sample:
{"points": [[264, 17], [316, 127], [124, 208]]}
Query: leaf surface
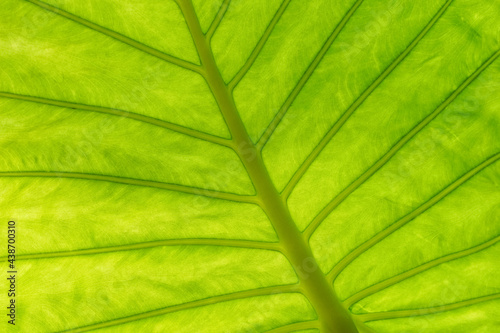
{"points": [[252, 166]]}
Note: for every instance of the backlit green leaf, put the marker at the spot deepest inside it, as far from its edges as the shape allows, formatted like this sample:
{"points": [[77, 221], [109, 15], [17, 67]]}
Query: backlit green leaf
{"points": [[251, 165]]}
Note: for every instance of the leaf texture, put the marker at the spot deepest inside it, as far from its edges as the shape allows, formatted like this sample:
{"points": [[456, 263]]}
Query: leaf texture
{"points": [[252, 166]]}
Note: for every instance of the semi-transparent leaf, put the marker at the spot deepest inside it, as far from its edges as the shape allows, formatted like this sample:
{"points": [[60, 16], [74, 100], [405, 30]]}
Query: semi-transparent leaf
{"points": [[252, 166]]}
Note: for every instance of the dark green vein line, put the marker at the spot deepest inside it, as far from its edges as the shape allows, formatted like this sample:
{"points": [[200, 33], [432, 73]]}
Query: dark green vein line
{"points": [[220, 15], [295, 327], [146, 245], [305, 77], [342, 120], [113, 34], [417, 270], [260, 45], [191, 305], [426, 311], [125, 114], [135, 182], [332, 275], [384, 159]]}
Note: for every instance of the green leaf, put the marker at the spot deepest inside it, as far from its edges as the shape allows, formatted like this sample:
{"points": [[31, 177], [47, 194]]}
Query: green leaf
{"points": [[251, 166]]}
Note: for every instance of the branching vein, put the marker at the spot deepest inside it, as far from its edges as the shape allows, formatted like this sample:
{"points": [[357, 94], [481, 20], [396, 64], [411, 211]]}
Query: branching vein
{"points": [[220, 15], [332, 275], [113, 34], [135, 182], [246, 244], [384, 159], [303, 80], [295, 327], [260, 45], [130, 115], [427, 311], [417, 270], [336, 127], [191, 305]]}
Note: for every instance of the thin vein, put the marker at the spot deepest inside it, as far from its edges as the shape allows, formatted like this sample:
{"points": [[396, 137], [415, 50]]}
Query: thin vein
{"points": [[332, 275], [135, 182], [260, 45], [191, 305], [342, 120], [417, 270], [305, 77], [220, 15], [125, 114], [113, 34], [384, 159], [295, 327], [268, 246], [427, 311]]}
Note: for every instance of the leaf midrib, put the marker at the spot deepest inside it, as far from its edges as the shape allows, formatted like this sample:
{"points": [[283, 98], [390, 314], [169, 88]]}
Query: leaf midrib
{"points": [[332, 315]]}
